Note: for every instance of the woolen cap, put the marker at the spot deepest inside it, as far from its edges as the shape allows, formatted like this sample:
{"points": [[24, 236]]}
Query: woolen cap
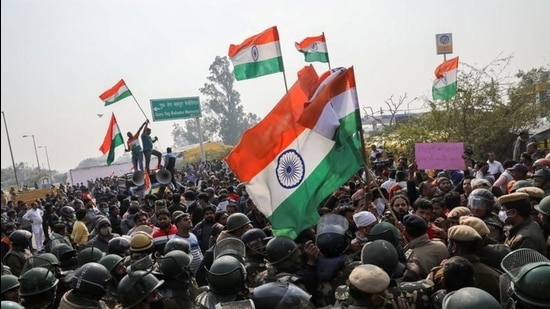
{"points": [[463, 233], [476, 223], [369, 278], [513, 197]]}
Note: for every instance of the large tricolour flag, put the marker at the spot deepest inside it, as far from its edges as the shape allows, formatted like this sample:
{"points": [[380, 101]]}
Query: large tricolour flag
{"points": [[115, 93], [258, 55], [113, 139], [314, 48], [444, 87], [290, 169]]}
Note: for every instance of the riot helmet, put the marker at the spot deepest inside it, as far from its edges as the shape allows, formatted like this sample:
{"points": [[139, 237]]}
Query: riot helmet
{"points": [[63, 252], [9, 282], [135, 287], [226, 276], [280, 295], [141, 242], [481, 198], [46, 260], [119, 245], [175, 263], [469, 297], [8, 304], [177, 243], [67, 211], [386, 231], [521, 184], [255, 239], [110, 261], [92, 280], [89, 254], [529, 274], [230, 246], [21, 238], [279, 249], [332, 239], [544, 206], [380, 253], [236, 221], [36, 281]]}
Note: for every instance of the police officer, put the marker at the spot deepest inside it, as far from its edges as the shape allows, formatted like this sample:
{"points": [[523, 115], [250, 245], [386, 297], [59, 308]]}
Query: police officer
{"points": [[139, 289], [255, 240], [275, 295], [89, 254], [180, 288], [541, 179], [367, 286], [481, 203], [468, 298], [226, 283], [526, 279], [544, 218], [114, 264], [38, 288], [10, 288], [18, 255], [89, 285]]}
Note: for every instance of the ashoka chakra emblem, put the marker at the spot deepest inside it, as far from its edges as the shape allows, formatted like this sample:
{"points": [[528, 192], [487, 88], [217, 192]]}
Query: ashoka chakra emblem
{"points": [[255, 53], [313, 47], [290, 169]]}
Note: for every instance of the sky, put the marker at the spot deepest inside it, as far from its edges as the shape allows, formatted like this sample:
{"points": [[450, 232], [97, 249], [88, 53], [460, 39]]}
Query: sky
{"points": [[58, 56]]}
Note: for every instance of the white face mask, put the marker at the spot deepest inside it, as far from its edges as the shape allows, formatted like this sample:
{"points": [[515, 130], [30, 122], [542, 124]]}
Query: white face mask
{"points": [[502, 215]]}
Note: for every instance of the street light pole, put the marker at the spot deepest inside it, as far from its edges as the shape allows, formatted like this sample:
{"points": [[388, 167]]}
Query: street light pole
{"points": [[35, 152], [48, 160], [11, 152]]}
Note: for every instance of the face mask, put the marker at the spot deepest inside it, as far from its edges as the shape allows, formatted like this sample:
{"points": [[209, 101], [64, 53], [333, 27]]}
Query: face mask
{"points": [[502, 215]]}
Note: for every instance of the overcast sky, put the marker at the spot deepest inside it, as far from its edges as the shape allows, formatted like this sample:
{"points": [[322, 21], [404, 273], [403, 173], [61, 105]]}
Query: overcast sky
{"points": [[59, 56]]}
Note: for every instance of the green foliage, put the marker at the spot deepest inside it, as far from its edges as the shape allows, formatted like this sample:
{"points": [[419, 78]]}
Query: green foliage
{"points": [[486, 114]]}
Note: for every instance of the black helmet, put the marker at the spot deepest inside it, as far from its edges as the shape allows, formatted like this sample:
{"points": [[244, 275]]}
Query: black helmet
{"points": [[177, 243], [174, 263], [36, 281], [119, 246], [255, 239], [21, 238], [226, 276], [63, 252], [67, 211], [543, 173], [380, 253], [9, 282], [280, 295], [8, 304], [91, 279], [89, 254], [135, 287], [470, 297], [279, 249], [332, 239], [110, 261], [236, 221]]}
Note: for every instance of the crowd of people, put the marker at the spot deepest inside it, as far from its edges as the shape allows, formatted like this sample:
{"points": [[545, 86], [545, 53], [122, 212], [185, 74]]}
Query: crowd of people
{"points": [[397, 237]]}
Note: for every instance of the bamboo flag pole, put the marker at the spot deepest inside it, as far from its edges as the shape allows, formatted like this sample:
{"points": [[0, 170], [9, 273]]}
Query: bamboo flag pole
{"points": [[328, 56]]}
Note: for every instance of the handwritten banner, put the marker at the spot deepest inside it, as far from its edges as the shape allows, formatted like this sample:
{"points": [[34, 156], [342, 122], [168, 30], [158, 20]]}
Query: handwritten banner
{"points": [[439, 156]]}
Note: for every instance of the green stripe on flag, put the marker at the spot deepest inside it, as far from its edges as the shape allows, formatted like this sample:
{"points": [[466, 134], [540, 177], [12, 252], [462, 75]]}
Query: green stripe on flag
{"points": [[444, 93], [117, 141], [123, 95], [299, 211], [316, 57], [260, 68]]}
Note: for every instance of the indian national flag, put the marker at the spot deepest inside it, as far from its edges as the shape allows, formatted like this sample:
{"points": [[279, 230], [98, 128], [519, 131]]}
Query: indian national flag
{"points": [[147, 187], [257, 56], [445, 85], [290, 169], [314, 48], [116, 93], [113, 139]]}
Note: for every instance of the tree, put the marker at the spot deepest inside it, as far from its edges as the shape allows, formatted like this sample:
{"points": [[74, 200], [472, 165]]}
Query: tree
{"points": [[486, 113]]}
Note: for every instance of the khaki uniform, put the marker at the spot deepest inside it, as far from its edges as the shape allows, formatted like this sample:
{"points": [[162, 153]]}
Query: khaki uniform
{"points": [[425, 253]]}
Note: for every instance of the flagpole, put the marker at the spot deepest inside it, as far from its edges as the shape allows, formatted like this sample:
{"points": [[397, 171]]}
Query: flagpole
{"points": [[284, 78], [146, 118], [328, 57]]}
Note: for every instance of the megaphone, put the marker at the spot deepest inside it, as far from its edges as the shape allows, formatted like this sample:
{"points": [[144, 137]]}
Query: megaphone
{"points": [[164, 176], [138, 178]]}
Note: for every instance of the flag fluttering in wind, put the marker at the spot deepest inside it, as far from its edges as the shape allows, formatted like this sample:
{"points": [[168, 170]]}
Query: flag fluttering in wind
{"points": [[113, 139], [445, 85], [290, 169], [257, 56], [314, 48], [115, 93]]}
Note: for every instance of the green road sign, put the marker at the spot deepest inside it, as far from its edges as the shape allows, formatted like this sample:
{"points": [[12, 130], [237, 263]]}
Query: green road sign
{"points": [[175, 108]]}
